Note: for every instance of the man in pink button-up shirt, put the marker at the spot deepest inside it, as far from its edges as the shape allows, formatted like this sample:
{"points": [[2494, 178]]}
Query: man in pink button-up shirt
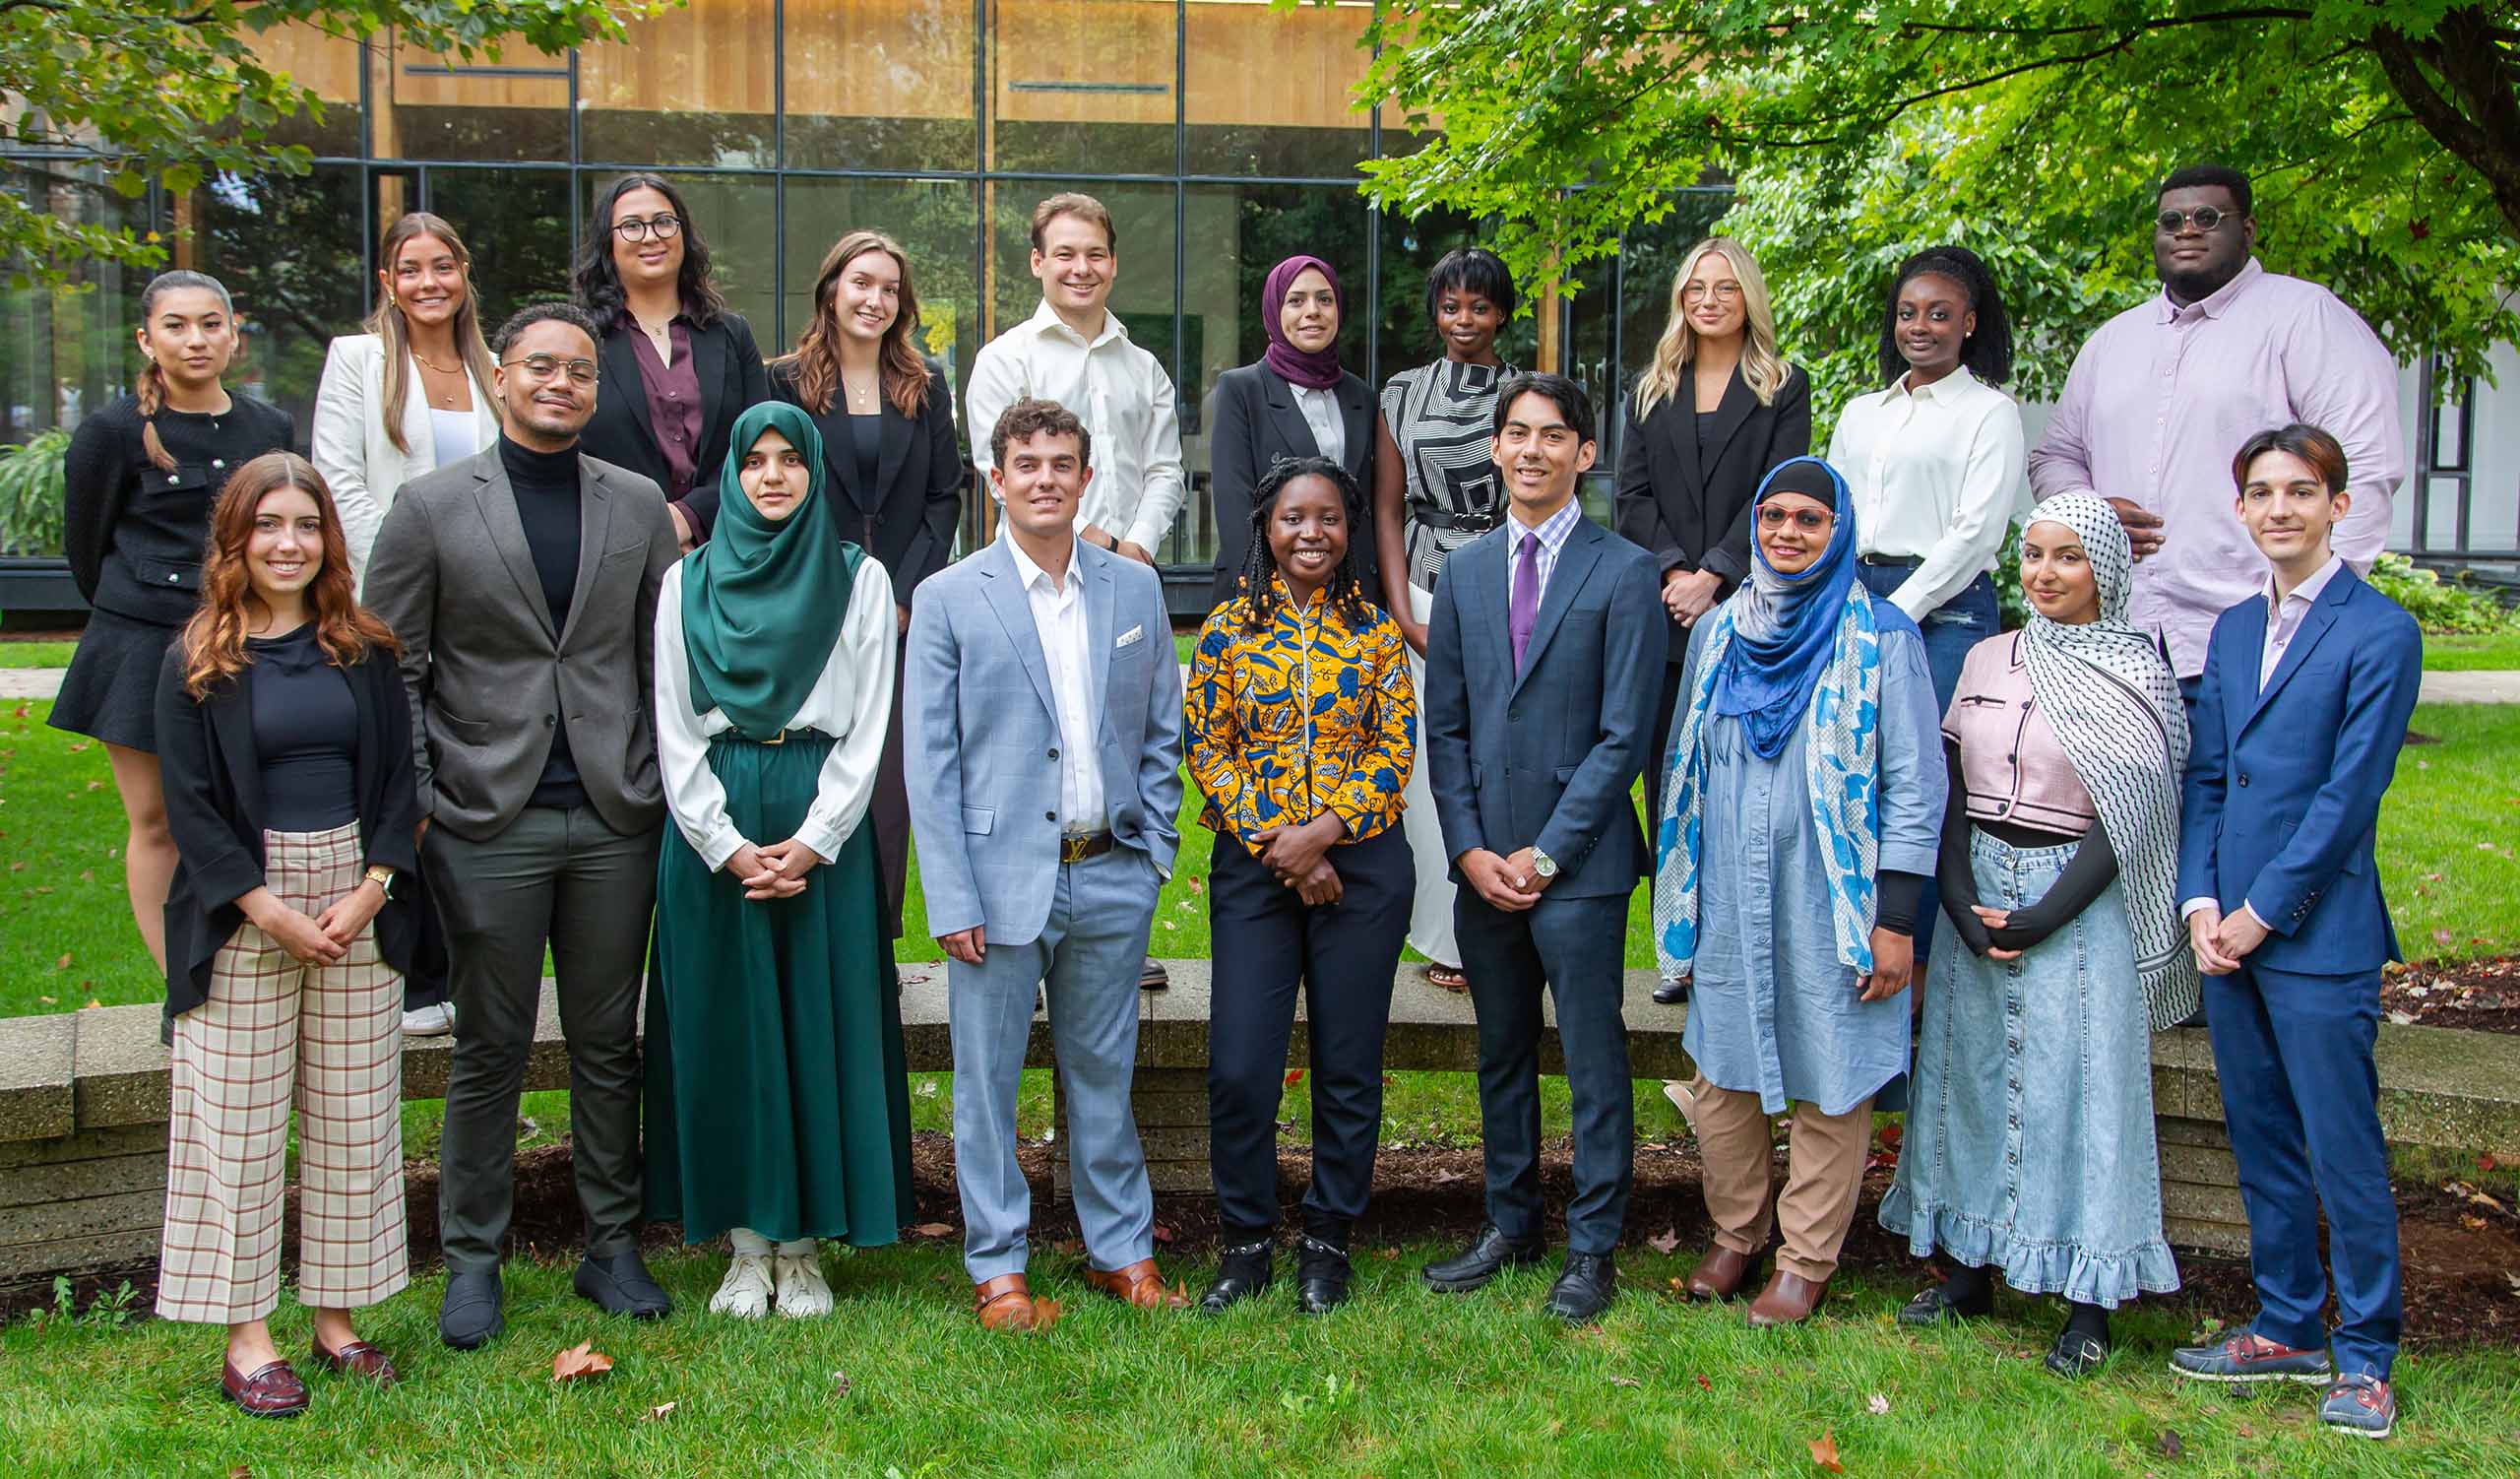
{"points": [[2162, 395]]}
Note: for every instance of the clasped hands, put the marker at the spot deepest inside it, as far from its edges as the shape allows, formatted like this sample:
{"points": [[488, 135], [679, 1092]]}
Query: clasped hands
{"points": [[1689, 594], [2221, 940], [324, 940], [1512, 884], [1300, 857], [776, 871]]}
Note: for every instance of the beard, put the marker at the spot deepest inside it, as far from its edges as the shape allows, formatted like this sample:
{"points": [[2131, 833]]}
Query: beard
{"points": [[2204, 282]]}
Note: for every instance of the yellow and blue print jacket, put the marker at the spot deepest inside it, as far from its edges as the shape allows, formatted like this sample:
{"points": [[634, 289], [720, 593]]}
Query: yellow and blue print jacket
{"points": [[1310, 714]]}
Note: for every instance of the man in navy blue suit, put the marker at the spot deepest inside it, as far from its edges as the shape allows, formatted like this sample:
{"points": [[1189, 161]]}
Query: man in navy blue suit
{"points": [[1544, 657], [2307, 692]]}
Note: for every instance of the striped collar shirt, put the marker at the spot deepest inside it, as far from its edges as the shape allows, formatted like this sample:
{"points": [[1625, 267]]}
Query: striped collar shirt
{"points": [[1551, 534]]}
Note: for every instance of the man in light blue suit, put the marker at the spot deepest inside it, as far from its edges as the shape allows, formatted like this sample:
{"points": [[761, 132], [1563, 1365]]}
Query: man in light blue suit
{"points": [[1043, 716], [2307, 692]]}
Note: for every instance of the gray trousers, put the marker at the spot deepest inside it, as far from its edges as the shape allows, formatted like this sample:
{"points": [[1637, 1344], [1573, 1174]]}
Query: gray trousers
{"points": [[1087, 959], [565, 877]]}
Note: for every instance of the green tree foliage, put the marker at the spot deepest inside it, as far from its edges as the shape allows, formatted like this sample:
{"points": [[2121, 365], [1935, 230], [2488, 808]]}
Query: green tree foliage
{"points": [[172, 91], [2383, 137]]}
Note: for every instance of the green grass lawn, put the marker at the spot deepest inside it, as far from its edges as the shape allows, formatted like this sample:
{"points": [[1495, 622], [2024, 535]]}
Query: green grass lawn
{"points": [[900, 1382], [2500, 651], [21, 653]]}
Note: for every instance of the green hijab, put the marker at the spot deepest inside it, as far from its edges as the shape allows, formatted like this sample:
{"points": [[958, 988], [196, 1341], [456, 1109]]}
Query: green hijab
{"points": [[762, 602]]}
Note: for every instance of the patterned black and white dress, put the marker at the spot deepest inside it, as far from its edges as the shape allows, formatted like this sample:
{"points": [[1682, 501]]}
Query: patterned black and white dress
{"points": [[1442, 417]]}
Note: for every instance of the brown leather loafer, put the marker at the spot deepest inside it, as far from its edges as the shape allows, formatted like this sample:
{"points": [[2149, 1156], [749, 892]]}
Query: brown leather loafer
{"points": [[356, 1358], [273, 1391], [1720, 1273], [1004, 1303], [1789, 1299], [1140, 1285]]}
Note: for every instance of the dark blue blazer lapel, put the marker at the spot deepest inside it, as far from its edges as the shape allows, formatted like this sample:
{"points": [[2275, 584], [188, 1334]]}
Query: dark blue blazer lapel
{"points": [[1574, 565], [2315, 625]]}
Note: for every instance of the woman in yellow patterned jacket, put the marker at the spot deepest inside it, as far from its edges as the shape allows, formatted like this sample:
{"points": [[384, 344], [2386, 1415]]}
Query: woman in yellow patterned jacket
{"points": [[1302, 726]]}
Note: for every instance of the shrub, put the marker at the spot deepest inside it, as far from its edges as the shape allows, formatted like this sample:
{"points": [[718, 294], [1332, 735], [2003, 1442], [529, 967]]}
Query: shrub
{"points": [[2443, 607], [31, 494]]}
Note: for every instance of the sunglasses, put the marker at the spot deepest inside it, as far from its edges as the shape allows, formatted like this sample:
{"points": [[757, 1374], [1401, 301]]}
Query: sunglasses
{"points": [[2207, 218]]}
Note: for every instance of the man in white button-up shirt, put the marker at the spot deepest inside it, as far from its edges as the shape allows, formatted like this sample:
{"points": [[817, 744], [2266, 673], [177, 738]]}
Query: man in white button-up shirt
{"points": [[1073, 350]]}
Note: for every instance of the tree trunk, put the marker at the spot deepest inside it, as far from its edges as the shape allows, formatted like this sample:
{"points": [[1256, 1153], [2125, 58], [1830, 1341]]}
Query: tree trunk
{"points": [[2462, 83]]}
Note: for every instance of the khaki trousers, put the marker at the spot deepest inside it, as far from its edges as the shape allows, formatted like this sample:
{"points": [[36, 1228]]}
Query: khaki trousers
{"points": [[1825, 1172], [277, 1030]]}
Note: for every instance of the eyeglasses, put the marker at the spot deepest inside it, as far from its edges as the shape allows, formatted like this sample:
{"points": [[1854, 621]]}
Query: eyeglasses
{"points": [[544, 366], [1808, 520], [2207, 218], [663, 228], [1722, 293]]}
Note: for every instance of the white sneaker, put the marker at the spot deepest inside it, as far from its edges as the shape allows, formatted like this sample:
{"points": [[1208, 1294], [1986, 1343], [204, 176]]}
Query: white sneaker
{"points": [[429, 1021], [745, 1291], [802, 1294]]}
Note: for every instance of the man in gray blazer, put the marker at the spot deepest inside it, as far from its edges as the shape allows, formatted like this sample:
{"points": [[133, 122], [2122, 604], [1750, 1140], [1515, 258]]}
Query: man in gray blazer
{"points": [[1043, 703], [1544, 659], [522, 583]]}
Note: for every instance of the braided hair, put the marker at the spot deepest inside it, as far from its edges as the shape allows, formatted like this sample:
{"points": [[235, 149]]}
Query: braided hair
{"points": [[150, 392], [1259, 561], [1988, 352]]}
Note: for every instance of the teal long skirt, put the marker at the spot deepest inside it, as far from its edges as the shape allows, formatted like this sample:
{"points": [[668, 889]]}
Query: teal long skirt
{"points": [[777, 1099]]}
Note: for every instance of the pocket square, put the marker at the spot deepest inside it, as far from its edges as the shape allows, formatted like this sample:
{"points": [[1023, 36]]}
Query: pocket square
{"points": [[1133, 634]]}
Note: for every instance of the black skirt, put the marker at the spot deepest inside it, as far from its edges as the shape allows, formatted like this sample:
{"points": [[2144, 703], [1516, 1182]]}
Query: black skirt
{"points": [[110, 691]]}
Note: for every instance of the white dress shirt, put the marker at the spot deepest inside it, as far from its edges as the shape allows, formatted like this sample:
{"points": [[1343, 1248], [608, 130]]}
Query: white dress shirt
{"points": [[1321, 413], [1058, 615], [851, 701], [1121, 393], [1937, 474]]}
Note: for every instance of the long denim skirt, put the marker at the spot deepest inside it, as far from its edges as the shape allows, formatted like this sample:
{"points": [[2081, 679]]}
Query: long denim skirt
{"points": [[2030, 1143]]}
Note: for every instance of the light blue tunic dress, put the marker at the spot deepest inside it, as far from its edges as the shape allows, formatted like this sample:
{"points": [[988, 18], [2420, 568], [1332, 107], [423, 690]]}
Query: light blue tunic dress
{"points": [[1772, 1012]]}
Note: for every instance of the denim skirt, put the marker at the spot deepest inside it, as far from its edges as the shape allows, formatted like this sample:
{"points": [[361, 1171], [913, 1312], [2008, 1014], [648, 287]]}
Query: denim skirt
{"points": [[2030, 1145]]}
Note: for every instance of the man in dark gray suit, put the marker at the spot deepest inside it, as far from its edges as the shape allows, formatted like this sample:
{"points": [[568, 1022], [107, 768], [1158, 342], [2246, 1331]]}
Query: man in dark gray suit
{"points": [[522, 583], [1544, 656]]}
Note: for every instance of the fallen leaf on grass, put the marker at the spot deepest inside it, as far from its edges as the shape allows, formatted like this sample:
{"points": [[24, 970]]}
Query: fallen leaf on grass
{"points": [[1625, 1382], [661, 1412], [1293, 1077], [2472, 1224], [2169, 1445], [1877, 1404], [2486, 1162], [930, 1229], [240, 1472], [579, 1361], [840, 1384], [1164, 1235], [63, 963], [1704, 1385], [1824, 1452], [1045, 1314], [1663, 1242]]}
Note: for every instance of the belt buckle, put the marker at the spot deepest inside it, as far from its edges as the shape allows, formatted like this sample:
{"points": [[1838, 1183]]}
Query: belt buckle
{"points": [[779, 739], [1072, 849]]}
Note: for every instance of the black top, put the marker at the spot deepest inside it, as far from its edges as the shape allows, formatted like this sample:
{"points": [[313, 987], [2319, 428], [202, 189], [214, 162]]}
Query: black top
{"points": [[728, 364], [545, 485], [1256, 423], [866, 439], [217, 811], [1685, 480], [305, 732], [2086, 877], [905, 513], [134, 532]]}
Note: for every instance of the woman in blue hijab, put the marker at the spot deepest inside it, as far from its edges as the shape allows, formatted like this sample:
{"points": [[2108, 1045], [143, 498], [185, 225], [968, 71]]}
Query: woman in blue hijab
{"points": [[1799, 829]]}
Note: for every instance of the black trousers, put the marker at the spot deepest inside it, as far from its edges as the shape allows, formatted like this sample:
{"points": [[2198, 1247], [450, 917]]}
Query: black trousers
{"points": [[1576, 947], [1658, 754], [1267, 945]]}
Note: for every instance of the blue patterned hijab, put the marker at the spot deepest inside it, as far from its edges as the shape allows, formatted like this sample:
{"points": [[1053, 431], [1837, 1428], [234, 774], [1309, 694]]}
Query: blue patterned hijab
{"points": [[1785, 626]]}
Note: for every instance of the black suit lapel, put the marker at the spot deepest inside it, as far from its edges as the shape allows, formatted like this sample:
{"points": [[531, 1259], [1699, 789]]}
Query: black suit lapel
{"points": [[231, 726], [1730, 416], [894, 449], [621, 372], [1293, 432], [1356, 415], [1679, 428], [708, 365]]}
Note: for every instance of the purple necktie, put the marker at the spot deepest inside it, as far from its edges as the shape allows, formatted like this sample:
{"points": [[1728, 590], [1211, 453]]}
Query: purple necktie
{"points": [[1523, 614]]}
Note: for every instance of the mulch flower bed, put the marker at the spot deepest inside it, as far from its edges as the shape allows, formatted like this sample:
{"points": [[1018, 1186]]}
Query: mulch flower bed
{"points": [[2479, 996]]}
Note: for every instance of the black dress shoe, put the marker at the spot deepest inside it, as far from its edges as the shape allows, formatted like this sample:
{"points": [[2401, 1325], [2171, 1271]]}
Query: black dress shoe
{"points": [[1151, 976], [474, 1310], [2077, 1353], [620, 1284], [1584, 1290], [1671, 992], [1242, 1272], [1490, 1254], [1935, 1305], [1321, 1277]]}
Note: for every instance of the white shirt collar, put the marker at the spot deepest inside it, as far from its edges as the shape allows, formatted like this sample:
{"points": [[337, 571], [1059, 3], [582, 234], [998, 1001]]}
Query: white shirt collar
{"points": [[1950, 387], [2307, 590], [1045, 320], [1031, 575]]}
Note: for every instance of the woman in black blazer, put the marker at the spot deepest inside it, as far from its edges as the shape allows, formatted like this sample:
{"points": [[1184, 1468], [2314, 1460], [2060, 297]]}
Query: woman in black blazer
{"points": [[886, 414], [285, 739], [1295, 401], [1717, 410], [678, 365]]}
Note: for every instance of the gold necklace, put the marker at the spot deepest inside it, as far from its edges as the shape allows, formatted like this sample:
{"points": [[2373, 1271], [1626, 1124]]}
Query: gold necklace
{"points": [[444, 369]]}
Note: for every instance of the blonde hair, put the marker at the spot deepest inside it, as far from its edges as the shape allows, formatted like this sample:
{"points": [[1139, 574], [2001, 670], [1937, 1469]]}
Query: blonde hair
{"points": [[388, 324], [1762, 367]]}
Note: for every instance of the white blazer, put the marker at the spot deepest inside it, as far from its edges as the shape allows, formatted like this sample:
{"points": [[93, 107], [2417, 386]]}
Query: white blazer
{"points": [[360, 463]]}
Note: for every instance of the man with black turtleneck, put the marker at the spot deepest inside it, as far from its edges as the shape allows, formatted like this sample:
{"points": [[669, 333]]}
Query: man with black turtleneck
{"points": [[522, 583]]}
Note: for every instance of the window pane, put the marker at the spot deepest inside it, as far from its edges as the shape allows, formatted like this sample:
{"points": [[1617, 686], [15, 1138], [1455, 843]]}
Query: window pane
{"points": [[881, 85], [290, 252], [64, 352], [1649, 256], [1290, 118], [429, 108], [516, 225], [1085, 84], [732, 213], [694, 85], [936, 221], [1410, 248]]}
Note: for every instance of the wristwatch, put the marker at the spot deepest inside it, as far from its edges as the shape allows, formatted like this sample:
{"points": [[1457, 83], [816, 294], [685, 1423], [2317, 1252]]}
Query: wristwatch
{"points": [[1543, 863], [382, 876]]}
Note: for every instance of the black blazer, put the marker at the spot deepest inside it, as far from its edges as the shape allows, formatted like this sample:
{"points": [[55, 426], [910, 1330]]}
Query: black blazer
{"points": [[1256, 424], [907, 519], [1692, 512], [213, 783], [732, 377], [134, 531]]}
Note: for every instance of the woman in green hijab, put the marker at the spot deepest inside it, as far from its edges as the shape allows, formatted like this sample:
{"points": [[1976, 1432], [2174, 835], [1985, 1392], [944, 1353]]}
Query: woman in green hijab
{"points": [[777, 1110]]}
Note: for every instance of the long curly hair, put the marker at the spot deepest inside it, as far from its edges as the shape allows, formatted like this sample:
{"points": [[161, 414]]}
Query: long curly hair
{"points": [[213, 641], [597, 283], [1259, 561], [1988, 352], [900, 367]]}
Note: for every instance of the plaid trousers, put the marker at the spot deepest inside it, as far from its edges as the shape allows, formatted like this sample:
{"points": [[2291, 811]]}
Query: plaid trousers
{"points": [[277, 1029]]}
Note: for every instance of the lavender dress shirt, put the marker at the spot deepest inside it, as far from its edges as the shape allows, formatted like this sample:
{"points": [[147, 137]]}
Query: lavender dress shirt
{"points": [[2158, 402]]}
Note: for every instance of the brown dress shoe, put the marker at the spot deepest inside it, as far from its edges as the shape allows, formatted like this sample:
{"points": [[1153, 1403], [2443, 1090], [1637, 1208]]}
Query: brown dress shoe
{"points": [[356, 1358], [1789, 1299], [1140, 1285], [272, 1390], [1004, 1303], [1720, 1273]]}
